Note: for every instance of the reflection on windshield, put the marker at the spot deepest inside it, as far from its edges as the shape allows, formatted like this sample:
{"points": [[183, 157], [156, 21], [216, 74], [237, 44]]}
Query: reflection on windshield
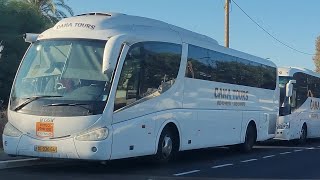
{"points": [[283, 80], [67, 68]]}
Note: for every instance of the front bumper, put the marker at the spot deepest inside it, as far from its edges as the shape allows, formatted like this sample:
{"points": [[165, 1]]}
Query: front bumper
{"points": [[67, 148], [283, 134]]}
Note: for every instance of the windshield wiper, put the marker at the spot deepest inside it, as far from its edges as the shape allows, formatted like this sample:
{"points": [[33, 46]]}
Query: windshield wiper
{"points": [[71, 104], [30, 99]]}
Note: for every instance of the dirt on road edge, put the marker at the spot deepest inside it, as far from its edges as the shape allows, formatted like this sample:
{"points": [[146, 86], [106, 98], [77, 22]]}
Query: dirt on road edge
{"points": [[3, 121]]}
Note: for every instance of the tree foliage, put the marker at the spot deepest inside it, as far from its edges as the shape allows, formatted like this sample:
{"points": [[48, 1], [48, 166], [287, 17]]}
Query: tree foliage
{"points": [[316, 58], [16, 19], [52, 9]]}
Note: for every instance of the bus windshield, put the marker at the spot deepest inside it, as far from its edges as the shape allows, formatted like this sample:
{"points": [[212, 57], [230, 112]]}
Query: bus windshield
{"points": [[65, 71], [283, 80]]}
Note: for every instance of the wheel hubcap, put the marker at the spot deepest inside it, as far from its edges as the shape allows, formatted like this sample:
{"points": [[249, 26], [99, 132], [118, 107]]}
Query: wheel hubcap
{"points": [[166, 146]]}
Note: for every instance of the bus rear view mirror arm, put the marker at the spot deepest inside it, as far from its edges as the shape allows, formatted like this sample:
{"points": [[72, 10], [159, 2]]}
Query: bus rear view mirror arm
{"points": [[289, 88], [112, 52], [30, 37]]}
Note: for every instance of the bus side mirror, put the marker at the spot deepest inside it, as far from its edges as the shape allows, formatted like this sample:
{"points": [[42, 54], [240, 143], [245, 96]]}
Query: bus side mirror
{"points": [[30, 37], [289, 88], [112, 51]]}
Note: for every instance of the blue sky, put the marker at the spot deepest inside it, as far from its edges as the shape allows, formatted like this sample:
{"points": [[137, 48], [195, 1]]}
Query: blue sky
{"points": [[294, 22]]}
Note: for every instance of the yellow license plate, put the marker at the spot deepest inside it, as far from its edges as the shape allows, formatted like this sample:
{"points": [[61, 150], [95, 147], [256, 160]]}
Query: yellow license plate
{"points": [[51, 149]]}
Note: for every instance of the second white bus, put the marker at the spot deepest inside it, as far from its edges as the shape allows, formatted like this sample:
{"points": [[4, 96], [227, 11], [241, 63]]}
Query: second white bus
{"points": [[105, 86], [299, 116]]}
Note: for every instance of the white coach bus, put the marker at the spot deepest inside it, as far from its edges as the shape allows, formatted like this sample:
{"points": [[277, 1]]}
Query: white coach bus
{"points": [[299, 116], [106, 86]]}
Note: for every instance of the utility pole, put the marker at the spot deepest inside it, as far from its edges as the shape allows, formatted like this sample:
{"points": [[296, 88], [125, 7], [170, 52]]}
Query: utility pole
{"points": [[226, 8]]}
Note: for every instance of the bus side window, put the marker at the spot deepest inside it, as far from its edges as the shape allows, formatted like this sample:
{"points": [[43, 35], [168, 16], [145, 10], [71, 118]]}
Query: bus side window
{"points": [[189, 70], [150, 69], [128, 85]]}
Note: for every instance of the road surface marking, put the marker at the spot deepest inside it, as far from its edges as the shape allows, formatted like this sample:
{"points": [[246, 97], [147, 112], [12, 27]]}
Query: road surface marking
{"points": [[188, 172], [270, 156], [298, 150], [278, 147], [285, 153], [310, 148], [19, 160], [249, 160], [220, 166]]}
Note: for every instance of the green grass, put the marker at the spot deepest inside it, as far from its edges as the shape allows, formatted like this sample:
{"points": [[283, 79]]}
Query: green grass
{"points": [[3, 121]]}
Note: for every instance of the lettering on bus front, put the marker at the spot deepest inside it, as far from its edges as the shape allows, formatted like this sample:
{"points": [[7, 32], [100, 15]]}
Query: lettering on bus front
{"points": [[46, 119], [77, 25], [235, 97]]}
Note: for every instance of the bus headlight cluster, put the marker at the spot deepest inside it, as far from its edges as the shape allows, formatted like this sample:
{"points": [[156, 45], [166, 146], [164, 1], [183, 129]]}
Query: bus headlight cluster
{"points": [[284, 125], [9, 130], [95, 135]]}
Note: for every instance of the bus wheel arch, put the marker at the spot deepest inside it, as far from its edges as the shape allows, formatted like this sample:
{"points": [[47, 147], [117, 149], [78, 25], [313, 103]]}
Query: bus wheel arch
{"points": [[250, 137], [168, 142]]}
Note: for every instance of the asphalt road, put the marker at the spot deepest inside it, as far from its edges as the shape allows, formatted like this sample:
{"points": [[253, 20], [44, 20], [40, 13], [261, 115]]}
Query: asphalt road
{"points": [[272, 160]]}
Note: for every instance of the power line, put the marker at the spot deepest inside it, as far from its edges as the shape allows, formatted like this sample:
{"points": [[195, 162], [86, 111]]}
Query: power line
{"points": [[290, 47]]}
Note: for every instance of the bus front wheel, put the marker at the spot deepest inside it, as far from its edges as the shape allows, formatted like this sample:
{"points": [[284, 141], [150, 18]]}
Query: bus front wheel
{"points": [[167, 146]]}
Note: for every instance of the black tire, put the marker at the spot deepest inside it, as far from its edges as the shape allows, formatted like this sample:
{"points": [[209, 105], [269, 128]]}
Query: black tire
{"points": [[250, 139], [303, 135], [168, 146]]}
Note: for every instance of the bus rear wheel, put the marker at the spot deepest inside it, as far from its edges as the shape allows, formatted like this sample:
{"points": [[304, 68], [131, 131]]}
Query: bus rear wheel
{"points": [[167, 146]]}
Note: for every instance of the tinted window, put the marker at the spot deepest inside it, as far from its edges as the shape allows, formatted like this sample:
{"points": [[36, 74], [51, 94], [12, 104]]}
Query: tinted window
{"points": [[313, 86], [150, 69], [301, 88], [307, 86], [199, 64], [215, 66]]}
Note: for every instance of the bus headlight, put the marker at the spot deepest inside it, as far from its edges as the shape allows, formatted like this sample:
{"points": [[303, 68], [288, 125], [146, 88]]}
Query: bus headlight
{"points": [[284, 125], [9, 130], [95, 135]]}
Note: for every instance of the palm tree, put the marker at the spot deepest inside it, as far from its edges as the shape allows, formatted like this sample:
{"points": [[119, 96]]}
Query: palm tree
{"points": [[54, 10]]}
